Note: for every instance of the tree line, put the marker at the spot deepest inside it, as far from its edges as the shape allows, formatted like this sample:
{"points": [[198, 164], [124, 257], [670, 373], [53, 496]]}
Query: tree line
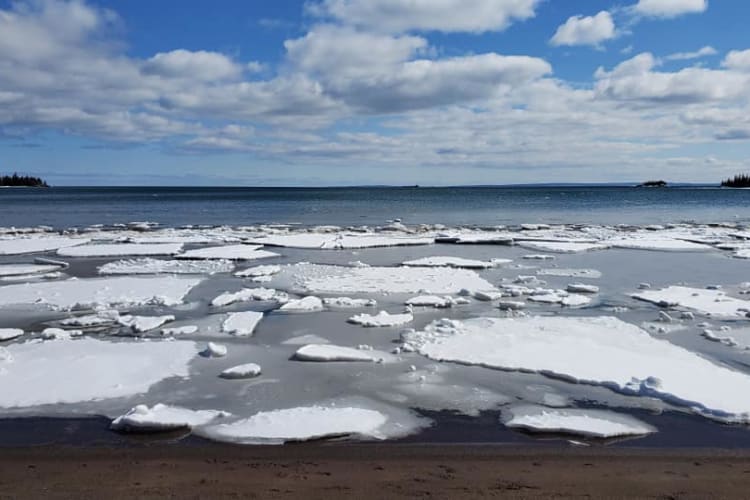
{"points": [[740, 180], [16, 180]]}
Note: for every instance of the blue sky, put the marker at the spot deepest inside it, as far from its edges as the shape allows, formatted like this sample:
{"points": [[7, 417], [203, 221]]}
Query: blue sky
{"points": [[340, 92]]}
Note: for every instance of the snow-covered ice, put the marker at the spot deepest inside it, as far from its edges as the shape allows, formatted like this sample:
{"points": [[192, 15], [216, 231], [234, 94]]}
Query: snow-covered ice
{"points": [[163, 417], [712, 302], [120, 291], [120, 249], [594, 350], [241, 324], [10, 333], [179, 330], [19, 246], [140, 324], [383, 318], [340, 241], [214, 350], [570, 273], [305, 304], [258, 271], [588, 423], [348, 302], [449, 262], [562, 246], [248, 370], [430, 301], [582, 288], [26, 269], [228, 252], [155, 266], [330, 353], [87, 369], [248, 294]]}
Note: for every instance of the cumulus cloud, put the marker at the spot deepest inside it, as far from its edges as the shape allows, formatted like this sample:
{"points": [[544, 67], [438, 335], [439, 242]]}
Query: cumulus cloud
{"points": [[588, 30], [398, 16], [200, 65], [669, 8], [697, 54], [738, 60]]}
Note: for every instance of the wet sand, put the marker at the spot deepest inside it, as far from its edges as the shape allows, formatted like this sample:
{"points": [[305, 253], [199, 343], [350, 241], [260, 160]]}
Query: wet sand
{"points": [[371, 471]]}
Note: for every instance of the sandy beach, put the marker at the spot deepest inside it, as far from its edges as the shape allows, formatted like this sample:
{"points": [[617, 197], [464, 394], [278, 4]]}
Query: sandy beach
{"points": [[371, 471]]}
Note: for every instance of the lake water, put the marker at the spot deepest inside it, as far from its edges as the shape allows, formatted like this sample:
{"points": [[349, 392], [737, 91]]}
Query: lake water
{"points": [[80, 206]]}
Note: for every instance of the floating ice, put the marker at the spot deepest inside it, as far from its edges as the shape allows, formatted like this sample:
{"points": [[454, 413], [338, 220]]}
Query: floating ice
{"points": [[596, 350], [229, 252], [140, 324], [449, 262], [179, 330], [348, 303], [124, 291], [258, 271], [305, 304], [248, 294], [571, 273], [318, 278], [300, 424], [340, 241], [575, 300], [163, 418], [711, 302], [430, 301], [214, 350], [26, 269], [328, 352], [589, 423], [10, 333], [736, 337], [248, 370], [87, 369], [156, 266], [241, 324], [383, 318], [537, 256], [59, 334], [305, 339], [101, 318], [120, 249], [476, 238], [20, 246], [654, 242], [562, 246], [582, 288]]}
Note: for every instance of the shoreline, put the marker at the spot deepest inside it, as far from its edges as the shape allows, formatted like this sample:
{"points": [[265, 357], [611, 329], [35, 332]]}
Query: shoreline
{"points": [[323, 470]]}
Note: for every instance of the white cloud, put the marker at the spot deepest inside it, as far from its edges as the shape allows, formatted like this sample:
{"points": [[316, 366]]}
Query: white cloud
{"points": [[669, 8], [684, 56], [398, 16], [589, 30], [200, 65], [738, 60]]}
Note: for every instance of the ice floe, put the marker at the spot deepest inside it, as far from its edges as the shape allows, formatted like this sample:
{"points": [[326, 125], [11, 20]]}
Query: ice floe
{"points": [[348, 302], [258, 271], [538, 256], [582, 422], [248, 294], [431, 301], [570, 273], [594, 350], [120, 291], [449, 262], [179, 330], [582, 288], [305, 304], [651, 242], [711, 302], [163, 417], [340, 241], [100, 318], [18, 246], [562, 246], [10, 333], [140, 324], [155, 266], [214, 350], [120, 249], [319, 278], [11, 270], [381, 319], [228, 252], [241, 324], [330, 353], [53, 333], [87, 369], [248, 370]]}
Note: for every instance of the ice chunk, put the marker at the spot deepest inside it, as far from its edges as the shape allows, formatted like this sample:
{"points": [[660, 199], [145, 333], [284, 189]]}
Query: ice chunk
{"points": [[140, 324], [162, 417], [20, 246], [589, 423], [248, 294], [59, 334], [572, 273], [711, 302], [300, 424], [26, 269], [10, 333], [258, 271], [383, 318], [101, 318], [214, 350], [229, 252], [88, 369], [340, 241], [655, 242], [120, 249], [305, 339], [476, 238], [537, 256], [317, 278], [155, 266], [594, 350], [248, 370], [305, 304], [582, 288], [241, 324], [562, 246], [449, 262], [430, 301], [575, 300], [328, 352], [348, 303], [125, 291], [179, 330]]}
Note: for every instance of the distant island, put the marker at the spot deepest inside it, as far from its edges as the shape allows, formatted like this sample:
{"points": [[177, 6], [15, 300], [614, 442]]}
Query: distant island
{"points": [[16, 180], [738, 181], [652, 184]]}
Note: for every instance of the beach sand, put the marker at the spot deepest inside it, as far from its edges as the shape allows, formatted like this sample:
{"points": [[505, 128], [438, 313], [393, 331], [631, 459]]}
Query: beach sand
{"points": [[371, 471]]}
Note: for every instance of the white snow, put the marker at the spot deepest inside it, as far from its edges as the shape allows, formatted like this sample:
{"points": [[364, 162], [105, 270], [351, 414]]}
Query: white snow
{"points": [[305, 304], [299, 424], [26, 269], [214, 350], [20, 246], [449, 262], [179, 330], [656, 242], [562, 246], [248, 370], [430, 301], [710, 302], [328, 352], [594, 350], [162, 417], [121, 291], [348, 302], [87, 369], [318, 278], [230, 252], [241, 324], [572, 273], [575, 300], [340, 241], [10, 333], [59, 334], [248, 294], [589, 423], [258, 271], [120, 249], [305, 339], [383, 318], [155, 266], [100, 318], [140, 324], [582, 288], [478, 237]]}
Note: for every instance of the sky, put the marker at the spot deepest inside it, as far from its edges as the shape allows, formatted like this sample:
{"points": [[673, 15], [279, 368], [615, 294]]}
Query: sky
{"points": [[356, 92]]}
